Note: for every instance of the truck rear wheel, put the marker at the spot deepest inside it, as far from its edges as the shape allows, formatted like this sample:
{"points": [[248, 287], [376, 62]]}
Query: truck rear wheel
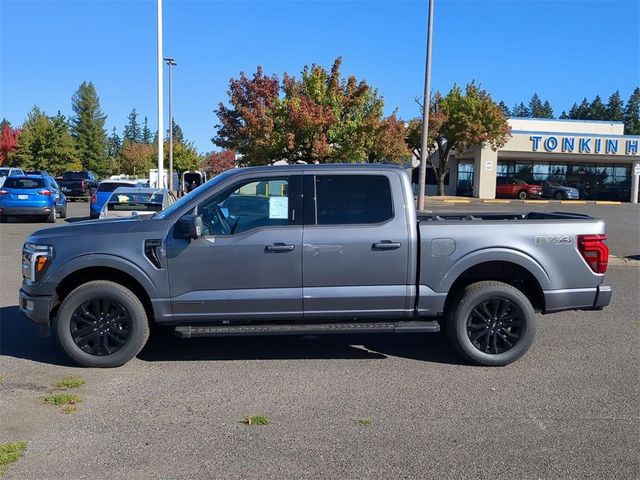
{"points": [[102, 324], [491, 323]]}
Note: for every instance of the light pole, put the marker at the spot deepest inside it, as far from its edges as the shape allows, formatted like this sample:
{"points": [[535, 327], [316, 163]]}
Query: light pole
{"points": [[172, 63], [160, 93], [424, 154]]}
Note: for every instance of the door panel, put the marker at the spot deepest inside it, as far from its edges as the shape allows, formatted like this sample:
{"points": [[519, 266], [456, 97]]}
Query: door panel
{"points": [[255, 274], [345, 274]]}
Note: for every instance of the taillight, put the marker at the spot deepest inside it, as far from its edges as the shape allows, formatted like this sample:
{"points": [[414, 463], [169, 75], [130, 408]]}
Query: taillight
{"points": [[594, 251], [4, 192], [94, 198], [84, 184], [44, 192]]}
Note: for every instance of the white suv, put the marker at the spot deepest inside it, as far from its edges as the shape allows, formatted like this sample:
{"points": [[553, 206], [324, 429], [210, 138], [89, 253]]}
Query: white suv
{"points": [[9, 172]]}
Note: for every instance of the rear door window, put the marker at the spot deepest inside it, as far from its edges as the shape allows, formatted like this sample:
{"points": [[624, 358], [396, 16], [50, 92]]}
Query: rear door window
{"points": [[352, 199]]}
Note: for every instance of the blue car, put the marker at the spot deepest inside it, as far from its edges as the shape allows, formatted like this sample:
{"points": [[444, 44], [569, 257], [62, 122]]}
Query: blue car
{"points": [[553, 189], [32, 195], [102, 194]]}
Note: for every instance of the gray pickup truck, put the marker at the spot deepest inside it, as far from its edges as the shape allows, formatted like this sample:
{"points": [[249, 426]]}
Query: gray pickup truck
{"points": [[310, 249]]}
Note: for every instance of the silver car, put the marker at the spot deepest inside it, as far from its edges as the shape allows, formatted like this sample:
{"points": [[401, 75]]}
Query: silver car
{"points": [[134, 201]]}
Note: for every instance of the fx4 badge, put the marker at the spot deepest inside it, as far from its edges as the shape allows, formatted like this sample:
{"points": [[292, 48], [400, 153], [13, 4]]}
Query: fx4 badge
{"points": [[553, 240]]}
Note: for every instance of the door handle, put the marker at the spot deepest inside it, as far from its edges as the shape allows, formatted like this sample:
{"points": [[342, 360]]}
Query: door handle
{"points": [[386, 245], [279, 247]]}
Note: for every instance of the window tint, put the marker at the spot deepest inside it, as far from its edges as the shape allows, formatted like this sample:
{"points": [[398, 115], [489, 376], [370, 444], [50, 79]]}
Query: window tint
{"points": [[353, 199], [18, 182], [111, 186], [246, 206]]}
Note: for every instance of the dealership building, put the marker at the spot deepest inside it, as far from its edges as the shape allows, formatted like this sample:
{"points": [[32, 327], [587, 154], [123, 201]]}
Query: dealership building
{"points": [[593, 156]]}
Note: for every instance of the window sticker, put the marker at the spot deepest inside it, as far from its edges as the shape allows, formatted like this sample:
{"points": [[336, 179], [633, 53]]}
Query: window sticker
{"points": [[278, 207]]}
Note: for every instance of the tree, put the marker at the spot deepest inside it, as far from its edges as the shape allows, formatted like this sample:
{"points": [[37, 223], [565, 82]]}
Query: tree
{"points": [[132, 131], [466, 119], [87, 127], [178, 136], [597, 109], [632, 114], [546, 111], [45, 144], [615, 107], [185, 156], [8, 140], [520, 111], [217, 162], [535, 106], [320, 117], [580, 112], [389, 142], [136, 158], [114, 149], [504, 108], [147, 136]]}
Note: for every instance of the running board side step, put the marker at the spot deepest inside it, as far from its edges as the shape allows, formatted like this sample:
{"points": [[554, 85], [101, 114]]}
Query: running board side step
{"points": [[191, 331]]}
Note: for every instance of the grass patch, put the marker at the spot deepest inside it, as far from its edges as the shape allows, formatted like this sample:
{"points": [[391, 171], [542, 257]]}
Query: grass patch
{"points": [[364, 422], [63, 399], [9, 453], [70, 382], [256, 420]]}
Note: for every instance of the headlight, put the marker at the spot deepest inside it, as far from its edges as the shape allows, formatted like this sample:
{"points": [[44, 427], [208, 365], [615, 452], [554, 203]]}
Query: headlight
{"points": [[36, 258]]}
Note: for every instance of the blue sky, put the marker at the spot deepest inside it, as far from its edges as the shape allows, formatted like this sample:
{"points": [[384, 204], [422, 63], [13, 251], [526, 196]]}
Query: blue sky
{"points": [[564, 51]]}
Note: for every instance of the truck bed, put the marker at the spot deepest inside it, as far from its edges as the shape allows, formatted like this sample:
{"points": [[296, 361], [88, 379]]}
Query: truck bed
{"points": [[500, 216]]}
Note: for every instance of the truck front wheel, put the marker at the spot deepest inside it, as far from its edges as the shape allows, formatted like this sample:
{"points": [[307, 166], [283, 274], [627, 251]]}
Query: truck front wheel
{"points": [[102, 324], [491, 323]]}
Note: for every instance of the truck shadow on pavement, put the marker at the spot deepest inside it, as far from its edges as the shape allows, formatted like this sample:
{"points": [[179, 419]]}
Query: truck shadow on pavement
{"points": [[163, 346], [19, 338]]}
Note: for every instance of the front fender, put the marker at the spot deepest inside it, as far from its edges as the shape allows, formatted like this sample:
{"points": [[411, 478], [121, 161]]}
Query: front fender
{"points": [[494, 255]]}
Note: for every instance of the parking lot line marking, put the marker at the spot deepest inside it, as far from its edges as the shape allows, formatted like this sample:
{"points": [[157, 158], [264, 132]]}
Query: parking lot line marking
{"points": [[575, 202], [535, 201], [496, 201], [457, 201], [607, 202]]}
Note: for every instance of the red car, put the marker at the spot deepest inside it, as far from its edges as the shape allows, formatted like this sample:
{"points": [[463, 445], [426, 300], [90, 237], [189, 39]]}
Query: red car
{"points": [[510, 187]]}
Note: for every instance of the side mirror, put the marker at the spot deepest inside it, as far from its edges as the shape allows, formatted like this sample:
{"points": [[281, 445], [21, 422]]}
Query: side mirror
{"points": [[188, 227]]}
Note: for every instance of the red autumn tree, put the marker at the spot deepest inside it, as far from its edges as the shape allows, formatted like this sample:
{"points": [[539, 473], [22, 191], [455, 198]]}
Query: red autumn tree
{"points": [[218, 162], [8, 141]]}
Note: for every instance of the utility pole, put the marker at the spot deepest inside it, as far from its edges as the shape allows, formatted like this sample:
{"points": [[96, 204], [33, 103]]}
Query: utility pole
{"points": [[160, 93], [172, 63], [424, 154]]}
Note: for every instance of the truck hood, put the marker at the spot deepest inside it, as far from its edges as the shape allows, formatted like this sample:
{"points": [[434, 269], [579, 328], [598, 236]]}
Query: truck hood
{"points": [[114, 226]]}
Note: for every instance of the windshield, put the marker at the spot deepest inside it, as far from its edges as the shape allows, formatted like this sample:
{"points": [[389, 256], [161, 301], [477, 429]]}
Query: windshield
{"points": [[136, 197], [554, 184], [111, 186], [193, 193], [519, 182]]}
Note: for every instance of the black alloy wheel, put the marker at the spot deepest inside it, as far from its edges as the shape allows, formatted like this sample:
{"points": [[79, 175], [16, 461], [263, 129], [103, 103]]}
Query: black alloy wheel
{"points": [[558, 195], [100, 326], [495, 326]]}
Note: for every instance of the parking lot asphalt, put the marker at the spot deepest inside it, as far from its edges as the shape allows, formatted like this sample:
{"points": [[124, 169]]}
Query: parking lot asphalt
{"points": [[568, 409]]}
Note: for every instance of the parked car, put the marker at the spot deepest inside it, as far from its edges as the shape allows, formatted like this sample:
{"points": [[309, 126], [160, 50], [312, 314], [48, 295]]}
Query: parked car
{"points": [[511, 187], [340, 250], [103, 193], [9, 172], [553, 189], [32, 195], [136, 201], [78, 184]]}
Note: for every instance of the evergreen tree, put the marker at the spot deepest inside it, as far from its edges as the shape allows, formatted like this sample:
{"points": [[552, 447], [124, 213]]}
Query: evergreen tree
{"points": [[114, 150], [582, 111], [520, 110], [564, 115], [632, 114], [597, 109], [147, 136], [615, 108], [132, 131], [178, 136], [87, 127], [546, 111], [4, 123], [505, 109], [535, 106]]}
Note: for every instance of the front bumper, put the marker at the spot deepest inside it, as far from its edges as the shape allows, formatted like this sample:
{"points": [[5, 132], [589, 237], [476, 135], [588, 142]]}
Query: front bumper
{"points": [[35, 307]]}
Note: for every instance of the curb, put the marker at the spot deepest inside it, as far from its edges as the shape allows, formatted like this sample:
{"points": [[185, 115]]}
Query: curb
{"points": [[623, 262]]}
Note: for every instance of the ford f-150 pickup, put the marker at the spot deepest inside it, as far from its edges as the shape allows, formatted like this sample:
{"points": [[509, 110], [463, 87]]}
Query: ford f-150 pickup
{"points": [[315, 249]]}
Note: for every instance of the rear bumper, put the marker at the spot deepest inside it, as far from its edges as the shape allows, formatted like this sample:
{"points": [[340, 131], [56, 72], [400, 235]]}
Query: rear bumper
{"points": [[26, 210], [577, 299], [36, 308]]}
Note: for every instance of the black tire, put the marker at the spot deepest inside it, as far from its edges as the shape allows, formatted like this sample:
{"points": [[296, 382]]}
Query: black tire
{"points": [[513, 320], [51, 218], [523, 195], [63, 212], [558, 195], [127, 323]]}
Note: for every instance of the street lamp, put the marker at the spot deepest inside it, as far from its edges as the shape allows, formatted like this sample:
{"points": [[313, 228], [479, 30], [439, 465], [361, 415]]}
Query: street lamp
{"points": [[172, 63], [424, 155], [160, 93]]}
